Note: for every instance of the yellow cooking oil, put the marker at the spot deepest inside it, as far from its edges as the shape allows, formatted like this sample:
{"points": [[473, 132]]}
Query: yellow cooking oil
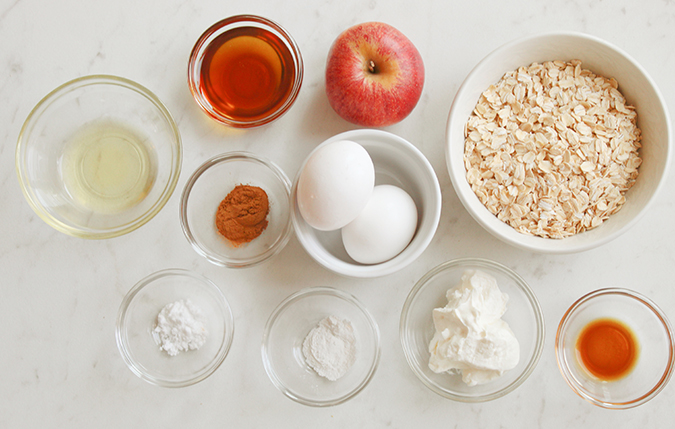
{"points": [[108, 167]]}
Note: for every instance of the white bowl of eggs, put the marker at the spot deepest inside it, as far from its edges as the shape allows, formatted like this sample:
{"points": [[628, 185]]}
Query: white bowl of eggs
{"points": [[365, 203]]}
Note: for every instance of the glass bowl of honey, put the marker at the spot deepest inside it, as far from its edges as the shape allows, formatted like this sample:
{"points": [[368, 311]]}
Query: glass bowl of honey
{"points": [[245, 71], [615, 348]]}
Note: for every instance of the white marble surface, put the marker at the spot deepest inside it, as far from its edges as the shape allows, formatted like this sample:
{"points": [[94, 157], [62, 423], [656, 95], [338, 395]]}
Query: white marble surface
{"points": [[59, 365]]}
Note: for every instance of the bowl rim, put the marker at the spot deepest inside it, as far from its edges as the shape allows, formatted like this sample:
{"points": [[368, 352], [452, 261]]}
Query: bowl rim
{"points": [[222, 26], [220, 260], [398, 262], [531, 298], [478, 211], [282, 306], [640, 299], [64, 89], [122, 341]]}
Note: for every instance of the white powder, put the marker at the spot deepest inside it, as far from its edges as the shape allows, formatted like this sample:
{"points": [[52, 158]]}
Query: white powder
{"points": [[330, 348], [180, 327]]}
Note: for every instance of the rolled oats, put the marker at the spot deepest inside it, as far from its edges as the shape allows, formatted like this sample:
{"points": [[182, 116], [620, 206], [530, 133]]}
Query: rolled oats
{"points": [[552, 148]]}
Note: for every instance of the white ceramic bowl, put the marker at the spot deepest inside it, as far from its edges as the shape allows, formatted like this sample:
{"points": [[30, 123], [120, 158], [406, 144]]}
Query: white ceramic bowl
{"points": [[210, 184], [523, 315], [399, 163], [285, 333], [601, 58], [137, 317]]}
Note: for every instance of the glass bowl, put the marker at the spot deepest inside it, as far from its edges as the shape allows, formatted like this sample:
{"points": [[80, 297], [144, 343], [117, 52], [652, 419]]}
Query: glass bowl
{"points": [[255, 97], [286, 330], [523, 315], [656, 348], [98, 157], [397, 162], [137, 317], [210, 184]]}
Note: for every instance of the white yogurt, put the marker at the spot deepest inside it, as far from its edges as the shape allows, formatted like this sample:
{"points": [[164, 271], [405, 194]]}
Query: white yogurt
{"points": [[471, 337]]}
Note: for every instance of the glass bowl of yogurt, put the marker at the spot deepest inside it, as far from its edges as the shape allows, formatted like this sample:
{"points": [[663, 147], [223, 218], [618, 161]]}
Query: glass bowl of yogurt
{"points": [[472, 330]]}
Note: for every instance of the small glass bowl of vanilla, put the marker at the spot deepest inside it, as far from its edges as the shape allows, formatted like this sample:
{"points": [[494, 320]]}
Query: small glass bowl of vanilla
{"points": [[615, 348]]}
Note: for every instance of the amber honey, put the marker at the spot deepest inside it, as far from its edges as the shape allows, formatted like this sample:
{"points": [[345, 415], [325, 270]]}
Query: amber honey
{"points": [[607, 349], [247, 73]]}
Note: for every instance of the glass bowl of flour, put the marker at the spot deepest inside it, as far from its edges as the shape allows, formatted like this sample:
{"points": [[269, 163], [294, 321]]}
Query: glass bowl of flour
{"points": [[472, 330], [321, 347], [174, 328]]}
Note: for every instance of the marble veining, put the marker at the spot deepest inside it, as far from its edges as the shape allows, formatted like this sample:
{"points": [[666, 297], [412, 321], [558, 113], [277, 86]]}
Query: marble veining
{"points": [[59, 363]]}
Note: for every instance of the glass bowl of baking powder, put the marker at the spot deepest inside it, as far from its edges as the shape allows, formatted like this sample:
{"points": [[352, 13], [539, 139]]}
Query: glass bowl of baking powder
{"points": [[321, 347], [174, 328]]}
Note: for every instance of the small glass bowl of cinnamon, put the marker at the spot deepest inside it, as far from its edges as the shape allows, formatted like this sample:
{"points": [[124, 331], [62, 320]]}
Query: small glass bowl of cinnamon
{"points": [[235, 209], [615, 348]]}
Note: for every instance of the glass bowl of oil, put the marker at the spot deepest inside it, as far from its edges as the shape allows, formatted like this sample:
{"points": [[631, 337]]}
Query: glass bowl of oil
{"points": [[98, 157], [245, 71], [615, 348]]}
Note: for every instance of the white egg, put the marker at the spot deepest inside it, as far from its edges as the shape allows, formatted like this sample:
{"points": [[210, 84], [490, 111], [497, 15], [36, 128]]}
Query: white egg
{"points": [[384, 228], [335, 185]]}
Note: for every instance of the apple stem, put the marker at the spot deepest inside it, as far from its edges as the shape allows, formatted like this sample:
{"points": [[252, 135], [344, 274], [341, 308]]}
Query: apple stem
{"points": [[371, 67]]}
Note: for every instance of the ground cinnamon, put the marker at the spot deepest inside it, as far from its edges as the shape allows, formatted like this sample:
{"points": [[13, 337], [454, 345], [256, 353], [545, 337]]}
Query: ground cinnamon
{"points": [[242, 215]]}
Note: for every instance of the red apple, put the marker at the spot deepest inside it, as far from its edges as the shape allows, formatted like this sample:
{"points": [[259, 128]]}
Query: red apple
{"points": [[374, 75]]}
